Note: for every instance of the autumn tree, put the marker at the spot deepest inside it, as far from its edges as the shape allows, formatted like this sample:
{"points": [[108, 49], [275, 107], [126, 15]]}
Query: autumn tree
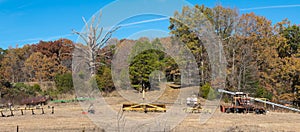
{"points": [[39, 67], [292, 36], [180, 30], [257, 52], [2, 53], [223, 21], [28, 64], [13, 62], [287, 73], [62, 48], [249, 41]]}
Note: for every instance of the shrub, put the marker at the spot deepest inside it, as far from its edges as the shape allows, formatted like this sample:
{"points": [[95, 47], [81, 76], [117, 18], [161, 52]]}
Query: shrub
{"points": [[263, 93], [37, 88], [207, 92], [104, 80], [64, 83], [27, 89]]}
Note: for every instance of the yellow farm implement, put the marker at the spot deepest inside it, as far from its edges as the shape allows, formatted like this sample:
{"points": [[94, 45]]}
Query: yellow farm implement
{"points": [[143, 107]]}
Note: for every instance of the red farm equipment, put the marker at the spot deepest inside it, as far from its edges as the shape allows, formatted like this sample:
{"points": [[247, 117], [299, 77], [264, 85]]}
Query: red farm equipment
{"points": [[241, 103]]}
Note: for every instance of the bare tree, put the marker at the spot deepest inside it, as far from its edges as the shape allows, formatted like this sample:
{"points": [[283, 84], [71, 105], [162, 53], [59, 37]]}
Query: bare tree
{"points": [[94, 39]]}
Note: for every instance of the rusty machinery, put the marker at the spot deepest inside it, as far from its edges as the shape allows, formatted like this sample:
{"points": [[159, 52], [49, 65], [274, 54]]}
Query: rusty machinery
{"points": [[242, 103]]}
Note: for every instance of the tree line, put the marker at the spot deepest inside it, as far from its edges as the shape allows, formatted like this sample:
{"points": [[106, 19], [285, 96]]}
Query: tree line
{"points": [[44, 61], [262, 58]]}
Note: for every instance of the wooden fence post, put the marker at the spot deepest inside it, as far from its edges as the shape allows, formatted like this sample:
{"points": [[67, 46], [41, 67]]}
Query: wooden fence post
{"points": [[11, 112], [43, 111], [2, 114], [52, 109]]}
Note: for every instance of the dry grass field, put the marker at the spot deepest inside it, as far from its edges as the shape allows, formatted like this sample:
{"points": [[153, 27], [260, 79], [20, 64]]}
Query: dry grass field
{"points": [[69, 117]]}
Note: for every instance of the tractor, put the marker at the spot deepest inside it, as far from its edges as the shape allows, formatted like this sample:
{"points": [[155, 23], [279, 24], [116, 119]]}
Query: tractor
{"points": [[241, 103]]}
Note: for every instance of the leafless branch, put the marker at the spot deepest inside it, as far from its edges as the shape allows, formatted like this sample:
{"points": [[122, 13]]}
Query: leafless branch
{"points": [[92, 39]]}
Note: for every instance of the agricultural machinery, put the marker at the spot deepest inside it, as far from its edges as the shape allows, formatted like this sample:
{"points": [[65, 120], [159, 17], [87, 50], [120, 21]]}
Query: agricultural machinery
{"points": [[241, 103], [144, 107]]}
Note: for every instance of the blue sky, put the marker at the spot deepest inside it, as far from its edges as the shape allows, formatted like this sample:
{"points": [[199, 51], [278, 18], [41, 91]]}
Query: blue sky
{"points": [[28, 21]]}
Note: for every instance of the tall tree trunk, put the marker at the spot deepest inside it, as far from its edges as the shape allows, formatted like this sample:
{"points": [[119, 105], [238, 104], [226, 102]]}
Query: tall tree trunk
{"points": [[239, 79], [202, 65], [244, 77], [233, 59], [233, 73], [158, 77]]}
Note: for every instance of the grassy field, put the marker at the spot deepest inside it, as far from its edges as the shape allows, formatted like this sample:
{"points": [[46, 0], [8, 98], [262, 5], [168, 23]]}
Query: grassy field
{"points": [[70, 117]]}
